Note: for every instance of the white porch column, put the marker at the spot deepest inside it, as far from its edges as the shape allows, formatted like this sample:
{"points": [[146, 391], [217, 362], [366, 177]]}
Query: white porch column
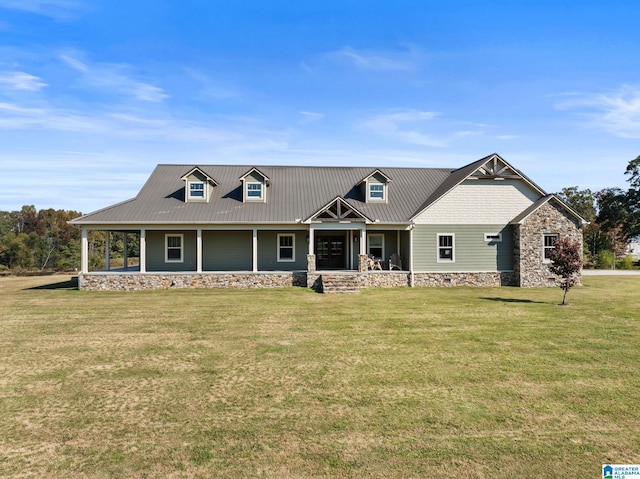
{"points": [[363, 245], [125, 250], [311, 240], [398, 243], [143, 251], [107, 250], [199, 250], [84, 251], [255, 251], [411, 282]]}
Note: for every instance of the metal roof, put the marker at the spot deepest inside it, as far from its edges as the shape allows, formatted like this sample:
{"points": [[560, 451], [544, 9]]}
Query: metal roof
{"points": [[294, 193]]}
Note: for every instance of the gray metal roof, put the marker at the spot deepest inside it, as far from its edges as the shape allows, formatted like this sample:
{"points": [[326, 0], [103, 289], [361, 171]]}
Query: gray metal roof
{"points": [[294, 193]]}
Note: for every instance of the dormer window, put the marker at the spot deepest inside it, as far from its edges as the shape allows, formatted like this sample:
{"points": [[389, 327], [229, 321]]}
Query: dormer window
{"points": [[196, 190], [198, 186], [254, 191], [254, 184], [374, 187], [376, 191]]}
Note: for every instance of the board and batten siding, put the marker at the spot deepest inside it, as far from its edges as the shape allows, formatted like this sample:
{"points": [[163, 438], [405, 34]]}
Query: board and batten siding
{"points": [[472, 253], [227, 250], [155, 244], [268, 251], [480, 202]]}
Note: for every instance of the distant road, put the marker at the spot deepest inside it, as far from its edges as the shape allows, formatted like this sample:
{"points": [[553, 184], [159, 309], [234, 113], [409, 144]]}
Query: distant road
{"points": [[610, 272]]}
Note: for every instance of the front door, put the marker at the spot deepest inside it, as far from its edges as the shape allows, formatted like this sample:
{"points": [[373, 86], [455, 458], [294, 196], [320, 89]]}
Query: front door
{"points": [[330, 252]]}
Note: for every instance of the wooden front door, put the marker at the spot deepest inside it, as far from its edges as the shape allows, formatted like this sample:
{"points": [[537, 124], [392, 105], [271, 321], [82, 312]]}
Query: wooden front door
{"points": [[330, 252]]}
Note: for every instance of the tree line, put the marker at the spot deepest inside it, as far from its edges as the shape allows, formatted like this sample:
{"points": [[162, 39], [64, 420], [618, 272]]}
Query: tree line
{"points": [[614, 219], [43, 240], [32, 239]]}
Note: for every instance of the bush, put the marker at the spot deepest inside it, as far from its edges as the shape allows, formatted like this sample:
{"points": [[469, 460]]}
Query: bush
{"points": [[606, 259], [626, 262]]}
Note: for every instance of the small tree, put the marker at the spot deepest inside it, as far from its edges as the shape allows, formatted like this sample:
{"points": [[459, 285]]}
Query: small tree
{"points": [[566, 262]]}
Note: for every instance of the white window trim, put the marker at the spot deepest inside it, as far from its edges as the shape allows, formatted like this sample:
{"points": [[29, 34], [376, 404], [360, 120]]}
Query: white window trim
{"points": [[204, 190], [453, 248], [369, 236], [254, 198], [293, 247], [370, 191], [493, 237], [545, 247], [166, 248]]}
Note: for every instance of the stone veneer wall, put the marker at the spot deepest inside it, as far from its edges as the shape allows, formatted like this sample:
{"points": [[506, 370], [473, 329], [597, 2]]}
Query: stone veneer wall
{"points": [[377, 279], [465, 279], [140, 281], [528, 241]]}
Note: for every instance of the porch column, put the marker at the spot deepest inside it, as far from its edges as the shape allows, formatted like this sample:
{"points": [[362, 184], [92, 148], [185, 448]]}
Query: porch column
{"points": [[255, 251], [311, 240], [363, 245], [143, 251], [398, 243], [107, 250], [84, 251], [411, 280], [125, 250], [199, 250]]}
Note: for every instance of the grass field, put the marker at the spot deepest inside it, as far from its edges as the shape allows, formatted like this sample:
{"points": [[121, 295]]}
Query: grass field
{"points": [[397, 383]]}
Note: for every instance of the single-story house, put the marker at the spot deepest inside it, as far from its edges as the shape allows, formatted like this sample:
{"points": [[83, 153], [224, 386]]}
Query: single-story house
{"points": [[272, 226]]}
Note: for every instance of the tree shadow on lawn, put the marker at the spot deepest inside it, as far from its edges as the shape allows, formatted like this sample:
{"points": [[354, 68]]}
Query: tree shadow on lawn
{"points": [[69, 284], [513, 300]]}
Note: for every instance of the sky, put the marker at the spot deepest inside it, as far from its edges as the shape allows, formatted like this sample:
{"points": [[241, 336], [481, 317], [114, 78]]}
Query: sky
{"points": [[95, 93]]}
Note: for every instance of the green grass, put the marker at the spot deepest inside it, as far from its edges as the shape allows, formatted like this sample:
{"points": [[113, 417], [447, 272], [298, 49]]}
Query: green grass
{"points": [[395, 383]]}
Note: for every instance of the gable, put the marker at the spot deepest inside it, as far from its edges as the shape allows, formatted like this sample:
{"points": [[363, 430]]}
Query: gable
{"points": [[481, 202], [338, 210]]}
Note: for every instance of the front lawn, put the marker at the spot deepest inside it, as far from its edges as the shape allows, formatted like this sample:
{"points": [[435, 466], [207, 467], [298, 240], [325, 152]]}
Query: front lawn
{"points": [[395, 383]]}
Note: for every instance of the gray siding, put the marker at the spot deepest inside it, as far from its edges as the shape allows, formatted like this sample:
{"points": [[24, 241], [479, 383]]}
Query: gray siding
{"points": [[268, 251], [472, 253], [156, 251], [227, 250]]}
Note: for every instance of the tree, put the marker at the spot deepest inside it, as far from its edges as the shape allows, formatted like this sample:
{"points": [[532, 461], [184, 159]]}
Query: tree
{"points": [[566, 262]]}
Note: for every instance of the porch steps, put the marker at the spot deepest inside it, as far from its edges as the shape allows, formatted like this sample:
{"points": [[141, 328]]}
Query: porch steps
{"points": [[340, 283]]}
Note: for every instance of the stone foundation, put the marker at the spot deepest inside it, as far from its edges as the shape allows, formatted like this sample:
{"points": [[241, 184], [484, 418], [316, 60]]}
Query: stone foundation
{"points": [[313, 280], [140, 281], [465, 279]]}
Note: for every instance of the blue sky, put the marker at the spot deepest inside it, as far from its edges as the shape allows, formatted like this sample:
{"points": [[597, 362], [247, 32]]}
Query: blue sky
{"points": [[95, 93]]}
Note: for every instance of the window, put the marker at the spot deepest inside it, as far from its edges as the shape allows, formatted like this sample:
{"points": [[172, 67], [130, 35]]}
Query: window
{"points": [[376, 191], [286, 247], [173, 248], [493, 237], [375, 245], [196, 190], [446, 248], [254, 190], [549, 244]]}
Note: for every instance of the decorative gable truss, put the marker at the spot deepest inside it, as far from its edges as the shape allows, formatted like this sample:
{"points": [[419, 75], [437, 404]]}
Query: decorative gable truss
{"points": [[338, 210], [375, 187], [254, 186], [495, 169], [198, 186]]}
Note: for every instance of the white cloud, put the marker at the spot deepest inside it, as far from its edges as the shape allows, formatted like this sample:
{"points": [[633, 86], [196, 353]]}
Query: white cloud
{"points": [[310, 116], [406, 126], [113, 78], [21, 81], [406, 59], [57, 9], [616, 112]]}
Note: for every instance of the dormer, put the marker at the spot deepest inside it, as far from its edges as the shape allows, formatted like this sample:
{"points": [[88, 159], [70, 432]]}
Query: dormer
{"points": [[254, 186], [375, 187], [198, 186]]}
